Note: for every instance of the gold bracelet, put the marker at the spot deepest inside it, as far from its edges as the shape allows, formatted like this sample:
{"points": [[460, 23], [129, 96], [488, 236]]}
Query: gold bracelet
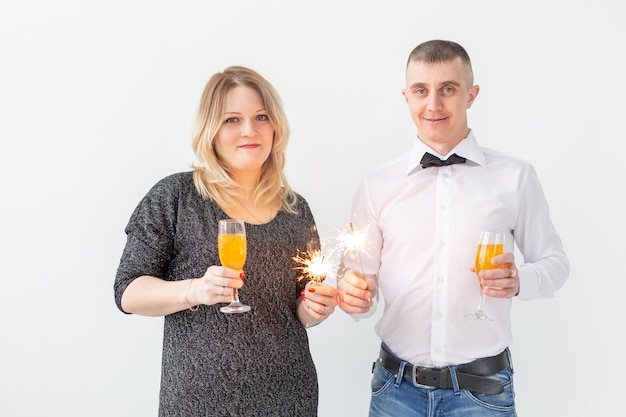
{"points": [[187, 299]]}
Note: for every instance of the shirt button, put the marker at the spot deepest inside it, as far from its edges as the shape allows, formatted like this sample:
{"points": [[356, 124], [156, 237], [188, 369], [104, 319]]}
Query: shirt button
{"points": [[443, 207], [442, 243]]}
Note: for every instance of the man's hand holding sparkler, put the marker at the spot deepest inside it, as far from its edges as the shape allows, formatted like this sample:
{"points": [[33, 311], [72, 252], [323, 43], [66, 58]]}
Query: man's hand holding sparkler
{"points": [[356, 292]]}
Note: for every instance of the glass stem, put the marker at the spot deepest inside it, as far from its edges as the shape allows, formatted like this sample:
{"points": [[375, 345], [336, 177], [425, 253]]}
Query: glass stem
{"points": [[481, 301]]}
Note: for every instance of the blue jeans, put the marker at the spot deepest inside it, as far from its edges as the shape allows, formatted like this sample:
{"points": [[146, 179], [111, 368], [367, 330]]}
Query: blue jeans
{"points": [[396, 396]]}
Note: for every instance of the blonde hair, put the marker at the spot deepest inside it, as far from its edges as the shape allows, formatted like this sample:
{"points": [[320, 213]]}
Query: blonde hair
{"points": [[211, 177]]}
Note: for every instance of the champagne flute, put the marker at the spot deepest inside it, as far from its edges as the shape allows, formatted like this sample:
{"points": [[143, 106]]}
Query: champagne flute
{"points": [[231, 245], [490, 244]]}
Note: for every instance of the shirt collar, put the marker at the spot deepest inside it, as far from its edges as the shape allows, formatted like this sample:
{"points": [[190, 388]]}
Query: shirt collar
{"points": [[468, 148]]}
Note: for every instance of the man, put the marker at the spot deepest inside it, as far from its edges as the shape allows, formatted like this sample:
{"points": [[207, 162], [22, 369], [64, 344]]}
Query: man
{"points": [[423, 213]]}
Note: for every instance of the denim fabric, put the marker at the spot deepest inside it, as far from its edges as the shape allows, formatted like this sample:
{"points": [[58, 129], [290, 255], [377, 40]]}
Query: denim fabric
{"points": [[395, 396]]}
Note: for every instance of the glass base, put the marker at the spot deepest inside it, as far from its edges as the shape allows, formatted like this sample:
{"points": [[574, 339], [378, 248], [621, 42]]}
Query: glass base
{"points": [[479, 315], [235, 308]]}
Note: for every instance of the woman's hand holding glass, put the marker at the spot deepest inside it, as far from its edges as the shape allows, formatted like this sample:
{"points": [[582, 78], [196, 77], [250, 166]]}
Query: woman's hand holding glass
{"points": [[216, 286]]}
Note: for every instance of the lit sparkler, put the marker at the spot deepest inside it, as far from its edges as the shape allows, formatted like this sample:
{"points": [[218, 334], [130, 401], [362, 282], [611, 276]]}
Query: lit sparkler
{"points": [[313, 265], [353, 242]]}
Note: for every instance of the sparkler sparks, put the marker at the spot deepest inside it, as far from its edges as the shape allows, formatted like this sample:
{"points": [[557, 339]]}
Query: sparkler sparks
{"points": [[313, 265], [317, 265], [353, 242]]}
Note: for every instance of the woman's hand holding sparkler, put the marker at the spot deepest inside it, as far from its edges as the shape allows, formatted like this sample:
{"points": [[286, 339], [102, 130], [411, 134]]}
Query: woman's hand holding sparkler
{"points": [[356, 292], [318, 302]]}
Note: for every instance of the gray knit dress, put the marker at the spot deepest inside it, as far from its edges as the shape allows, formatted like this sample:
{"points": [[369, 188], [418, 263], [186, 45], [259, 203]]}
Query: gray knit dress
{"points": [[214, 364]]}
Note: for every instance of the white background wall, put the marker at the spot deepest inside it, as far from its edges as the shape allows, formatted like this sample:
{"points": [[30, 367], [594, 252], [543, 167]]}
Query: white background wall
{"points": [[97, 102]]}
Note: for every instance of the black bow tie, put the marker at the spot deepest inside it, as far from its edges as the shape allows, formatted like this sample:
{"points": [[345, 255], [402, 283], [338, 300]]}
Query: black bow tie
{"points": [[429, 160]]}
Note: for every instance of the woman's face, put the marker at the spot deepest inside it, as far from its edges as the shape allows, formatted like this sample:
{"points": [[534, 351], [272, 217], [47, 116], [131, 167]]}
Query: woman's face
{"points": [[244, 141]]}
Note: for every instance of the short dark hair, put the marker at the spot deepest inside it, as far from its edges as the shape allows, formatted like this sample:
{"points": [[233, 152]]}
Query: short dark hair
{"points": [[437, 50]]}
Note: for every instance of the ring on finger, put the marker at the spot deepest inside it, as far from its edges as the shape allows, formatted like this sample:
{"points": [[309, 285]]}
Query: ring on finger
{"points": [[512, 273]]}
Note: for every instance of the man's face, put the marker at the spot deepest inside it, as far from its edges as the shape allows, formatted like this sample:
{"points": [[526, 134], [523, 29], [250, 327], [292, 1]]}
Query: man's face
{"points": [[438, 96]]}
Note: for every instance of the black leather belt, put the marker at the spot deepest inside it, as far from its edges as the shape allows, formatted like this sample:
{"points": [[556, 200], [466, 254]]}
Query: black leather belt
{"points": [[471, 376]]}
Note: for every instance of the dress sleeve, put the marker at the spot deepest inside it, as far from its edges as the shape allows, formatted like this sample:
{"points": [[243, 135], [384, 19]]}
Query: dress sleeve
{"points": [[149, 238]]}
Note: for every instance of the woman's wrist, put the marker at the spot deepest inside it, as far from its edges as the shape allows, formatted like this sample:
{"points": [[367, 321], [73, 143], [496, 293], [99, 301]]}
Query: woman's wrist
{"points": [[192, 308]]}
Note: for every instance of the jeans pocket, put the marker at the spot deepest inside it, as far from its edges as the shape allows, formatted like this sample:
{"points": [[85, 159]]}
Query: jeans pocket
{"points": [[382, 378]]}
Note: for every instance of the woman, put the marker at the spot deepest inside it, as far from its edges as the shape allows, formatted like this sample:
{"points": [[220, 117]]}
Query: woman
{"points": [[256, 363]]}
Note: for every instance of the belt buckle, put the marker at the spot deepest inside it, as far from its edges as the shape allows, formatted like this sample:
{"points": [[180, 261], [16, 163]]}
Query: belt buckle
{"points": [[414, 372]]}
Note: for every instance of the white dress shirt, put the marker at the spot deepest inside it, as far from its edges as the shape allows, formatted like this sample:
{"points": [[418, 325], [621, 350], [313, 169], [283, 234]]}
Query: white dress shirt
{"points": [[422, 229]]}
